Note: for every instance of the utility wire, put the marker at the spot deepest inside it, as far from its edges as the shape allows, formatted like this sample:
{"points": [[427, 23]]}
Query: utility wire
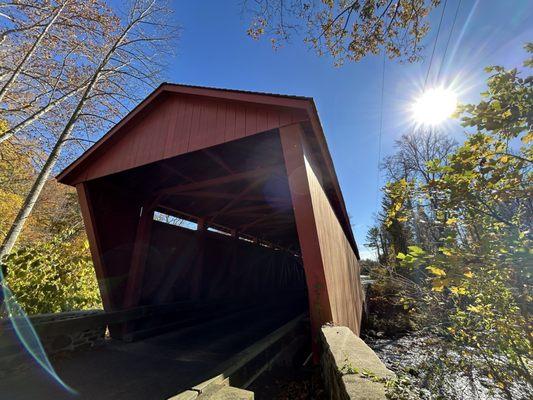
{"points": [[449, 39], [435, 44], [380, 126]]}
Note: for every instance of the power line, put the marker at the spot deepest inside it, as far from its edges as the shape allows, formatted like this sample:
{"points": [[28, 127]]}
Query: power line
{"points": [[435, 44], [449, 39], [380, 126]]}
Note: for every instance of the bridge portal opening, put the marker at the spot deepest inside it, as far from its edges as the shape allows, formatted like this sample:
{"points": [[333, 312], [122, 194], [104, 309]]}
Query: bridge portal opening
{"points": [[212, 232]]}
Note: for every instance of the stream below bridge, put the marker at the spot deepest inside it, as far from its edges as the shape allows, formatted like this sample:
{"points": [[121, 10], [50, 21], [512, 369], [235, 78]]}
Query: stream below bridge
{"points": [[409, 353]]}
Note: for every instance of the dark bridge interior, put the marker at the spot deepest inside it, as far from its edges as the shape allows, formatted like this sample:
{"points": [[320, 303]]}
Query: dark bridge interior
{"points": [[209, 225]]}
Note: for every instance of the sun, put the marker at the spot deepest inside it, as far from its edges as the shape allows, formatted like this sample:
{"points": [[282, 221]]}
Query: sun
{"points": [[434, 106]]}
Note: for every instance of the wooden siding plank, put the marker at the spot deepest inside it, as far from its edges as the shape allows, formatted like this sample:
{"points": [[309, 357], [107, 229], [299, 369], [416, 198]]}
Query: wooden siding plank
{"points": [[221, 122], [159, 135], [195, 126], [250, 121], [229, 129], [210, 135], [273, 119], [183, 135], [176, 111], [240, 122], [262, 120]]}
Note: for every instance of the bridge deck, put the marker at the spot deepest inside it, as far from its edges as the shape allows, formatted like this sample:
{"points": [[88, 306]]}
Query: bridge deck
{"points": [[155, 368]]}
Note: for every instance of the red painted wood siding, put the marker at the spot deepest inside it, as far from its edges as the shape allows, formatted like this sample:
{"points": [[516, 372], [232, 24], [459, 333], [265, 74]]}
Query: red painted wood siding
{"points": [[182, 124], [340, 264]]}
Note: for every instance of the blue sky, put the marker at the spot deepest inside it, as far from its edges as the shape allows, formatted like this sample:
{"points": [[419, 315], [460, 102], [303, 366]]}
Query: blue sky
{"points": [[214, 51]]}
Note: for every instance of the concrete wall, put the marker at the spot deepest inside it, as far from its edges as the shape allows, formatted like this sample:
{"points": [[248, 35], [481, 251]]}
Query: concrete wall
{"points": [[350, 369]]}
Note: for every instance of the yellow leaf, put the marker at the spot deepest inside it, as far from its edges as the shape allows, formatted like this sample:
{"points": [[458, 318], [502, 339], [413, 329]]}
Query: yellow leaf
{"points": [[527, 138], [458, 290], [436, 271], [469, 274], [445, 251], [438, 288], [475, 309], [506, 114]]}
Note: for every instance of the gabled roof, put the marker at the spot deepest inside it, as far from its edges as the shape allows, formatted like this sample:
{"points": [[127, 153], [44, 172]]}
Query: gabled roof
{"points": [[301, 104]]}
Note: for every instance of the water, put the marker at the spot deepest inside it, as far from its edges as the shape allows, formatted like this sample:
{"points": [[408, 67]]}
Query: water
{"points": [[413, 354]]}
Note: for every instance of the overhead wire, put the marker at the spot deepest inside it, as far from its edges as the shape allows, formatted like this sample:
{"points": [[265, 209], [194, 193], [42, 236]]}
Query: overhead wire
{"points": [[380, 134], [449, 39], [435, 44]]}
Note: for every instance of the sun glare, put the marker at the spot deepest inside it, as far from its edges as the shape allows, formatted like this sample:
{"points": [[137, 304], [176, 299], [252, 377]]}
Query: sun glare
{"points": [[434, 106]]}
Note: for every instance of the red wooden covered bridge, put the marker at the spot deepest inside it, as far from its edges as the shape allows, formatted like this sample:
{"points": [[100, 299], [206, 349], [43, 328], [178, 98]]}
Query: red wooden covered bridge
{"points": [[218, 196]]}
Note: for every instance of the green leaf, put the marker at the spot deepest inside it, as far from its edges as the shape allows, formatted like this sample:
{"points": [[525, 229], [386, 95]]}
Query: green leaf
{"points": [[415, 250]]}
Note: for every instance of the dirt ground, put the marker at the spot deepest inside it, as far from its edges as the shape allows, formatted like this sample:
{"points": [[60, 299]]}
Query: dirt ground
{"points": [[299, 383]]}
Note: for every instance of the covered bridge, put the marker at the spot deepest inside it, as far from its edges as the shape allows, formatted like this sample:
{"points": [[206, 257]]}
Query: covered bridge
{"points": [[218, 196]]}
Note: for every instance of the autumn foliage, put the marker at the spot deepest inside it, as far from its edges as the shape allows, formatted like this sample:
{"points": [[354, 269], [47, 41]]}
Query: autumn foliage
{"points": [[471, 285]]}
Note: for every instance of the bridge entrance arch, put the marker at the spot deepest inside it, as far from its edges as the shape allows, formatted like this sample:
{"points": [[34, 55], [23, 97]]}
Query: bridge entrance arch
{"points": [[213, 198]]}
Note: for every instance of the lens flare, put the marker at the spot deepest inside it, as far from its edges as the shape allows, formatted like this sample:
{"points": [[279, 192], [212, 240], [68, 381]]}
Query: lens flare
{"points": [[434, 106], [25, 332]]}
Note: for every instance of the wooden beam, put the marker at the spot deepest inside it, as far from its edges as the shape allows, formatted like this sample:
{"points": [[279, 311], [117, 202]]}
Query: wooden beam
{"points": [[177, 172], [216, 158], [319, 302], [139, 256], [88, 214], [198, 271], [237, 198], [223, 195], [243, 210], [221, 180], [231, 231], [245, 227]]}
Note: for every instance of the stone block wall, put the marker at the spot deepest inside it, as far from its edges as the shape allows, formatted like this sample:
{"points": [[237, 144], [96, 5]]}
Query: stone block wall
{"points": [[58, 333], [350, 369]]}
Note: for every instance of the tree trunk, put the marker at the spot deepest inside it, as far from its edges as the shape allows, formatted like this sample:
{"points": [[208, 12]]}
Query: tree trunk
{"points": [[31, 198]]}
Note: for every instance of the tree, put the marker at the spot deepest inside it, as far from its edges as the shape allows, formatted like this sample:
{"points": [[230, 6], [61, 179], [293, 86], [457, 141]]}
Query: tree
{"points": [[476, 291], [124, 64], [345, 29], [412, 162], [44, 46], [55, 275]]}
